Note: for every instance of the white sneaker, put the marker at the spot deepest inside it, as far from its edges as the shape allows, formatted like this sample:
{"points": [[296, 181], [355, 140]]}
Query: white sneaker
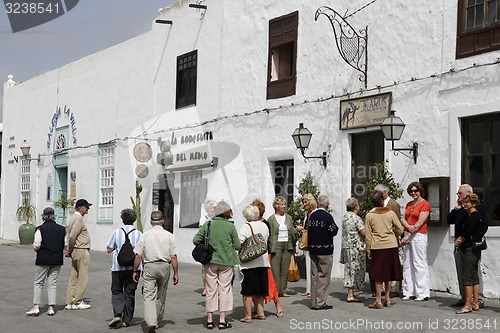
{"points": [[70, 307], [82, 306], [421, 299], [33, 312], [406, 298]]}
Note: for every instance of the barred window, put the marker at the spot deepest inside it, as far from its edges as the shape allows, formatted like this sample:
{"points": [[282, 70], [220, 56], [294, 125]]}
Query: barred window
{"points": [[25, 178], [106, 182]]}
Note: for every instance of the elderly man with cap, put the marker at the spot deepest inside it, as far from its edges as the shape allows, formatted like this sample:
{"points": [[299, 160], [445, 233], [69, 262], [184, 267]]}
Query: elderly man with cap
{"points": [[79, 247], [49, 245], [157, 250]]}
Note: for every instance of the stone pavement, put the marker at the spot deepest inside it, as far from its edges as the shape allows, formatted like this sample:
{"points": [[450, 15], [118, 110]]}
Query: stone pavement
{"points": [[185, 311]]}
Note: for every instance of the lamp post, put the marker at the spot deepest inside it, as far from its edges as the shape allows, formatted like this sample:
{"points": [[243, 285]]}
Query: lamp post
{"points": [[392, 128], [302, 137]]}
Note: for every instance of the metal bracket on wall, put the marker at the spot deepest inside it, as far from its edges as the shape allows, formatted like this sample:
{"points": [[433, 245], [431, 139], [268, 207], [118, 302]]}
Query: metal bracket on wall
{"points": [[352, 45]]}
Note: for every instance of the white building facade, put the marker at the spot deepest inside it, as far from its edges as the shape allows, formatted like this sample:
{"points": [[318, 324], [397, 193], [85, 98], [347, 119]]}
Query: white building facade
{"points": [[222, 89]]}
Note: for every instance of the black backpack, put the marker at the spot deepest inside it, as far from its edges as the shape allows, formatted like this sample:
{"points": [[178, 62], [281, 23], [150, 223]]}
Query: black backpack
{"points": [[126, 256]]}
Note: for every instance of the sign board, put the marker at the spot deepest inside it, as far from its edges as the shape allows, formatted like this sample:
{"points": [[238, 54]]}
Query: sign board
{"points": [[364, 111], [156, 194]]}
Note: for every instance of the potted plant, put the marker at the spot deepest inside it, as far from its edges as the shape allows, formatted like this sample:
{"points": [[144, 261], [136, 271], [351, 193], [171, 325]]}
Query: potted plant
{"points": [[64, 203], [26, 213]]}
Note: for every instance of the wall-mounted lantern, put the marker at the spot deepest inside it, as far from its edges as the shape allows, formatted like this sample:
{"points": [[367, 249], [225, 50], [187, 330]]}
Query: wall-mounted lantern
{"points": [[25, 149], [302, 137], [393, 128]]}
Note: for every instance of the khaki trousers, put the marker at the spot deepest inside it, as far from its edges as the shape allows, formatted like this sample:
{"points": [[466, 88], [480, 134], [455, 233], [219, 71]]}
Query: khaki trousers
{"points": [[321, 271], [219, 288], [280, 262], [155, 280], [78, 280]]}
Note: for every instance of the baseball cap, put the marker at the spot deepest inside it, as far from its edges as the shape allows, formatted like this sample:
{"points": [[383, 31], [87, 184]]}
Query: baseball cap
{"points": [[82, 202], [48, 211]]}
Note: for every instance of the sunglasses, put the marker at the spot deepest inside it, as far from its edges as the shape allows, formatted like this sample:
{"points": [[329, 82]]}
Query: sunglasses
{"points": [[414, 191]]}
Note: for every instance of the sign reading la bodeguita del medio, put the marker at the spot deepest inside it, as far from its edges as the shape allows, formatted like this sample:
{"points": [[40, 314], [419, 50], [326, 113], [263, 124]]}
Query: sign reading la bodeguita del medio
{"points": [[364, 111], [194, 147]]}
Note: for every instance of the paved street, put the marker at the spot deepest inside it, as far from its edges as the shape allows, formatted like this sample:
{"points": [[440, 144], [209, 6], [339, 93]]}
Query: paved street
{"points": [[185, 310]]}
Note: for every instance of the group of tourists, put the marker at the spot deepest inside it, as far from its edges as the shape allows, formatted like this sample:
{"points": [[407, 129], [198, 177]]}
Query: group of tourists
{"points": [[152, 255], [385, 238], [381, 240]]}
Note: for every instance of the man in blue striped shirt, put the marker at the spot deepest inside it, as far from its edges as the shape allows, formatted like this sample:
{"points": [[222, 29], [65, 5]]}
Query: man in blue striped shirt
{"points": [[123, 286]]}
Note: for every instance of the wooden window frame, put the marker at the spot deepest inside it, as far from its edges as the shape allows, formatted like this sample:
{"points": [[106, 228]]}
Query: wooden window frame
{"points": [[486, 191], [277, 38], [107, 183], [186, 77], [476, 40]]}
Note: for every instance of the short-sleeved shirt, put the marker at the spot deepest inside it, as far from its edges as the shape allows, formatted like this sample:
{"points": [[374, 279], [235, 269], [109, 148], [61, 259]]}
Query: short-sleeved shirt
{"points": [[412, 213], [156, 245], [352, 224], [116, 242]]}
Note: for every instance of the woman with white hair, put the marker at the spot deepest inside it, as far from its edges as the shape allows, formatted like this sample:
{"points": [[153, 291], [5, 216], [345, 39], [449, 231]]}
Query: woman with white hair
{"points": [[353, 249], [282, 243], [49, 244], [254, 283]]}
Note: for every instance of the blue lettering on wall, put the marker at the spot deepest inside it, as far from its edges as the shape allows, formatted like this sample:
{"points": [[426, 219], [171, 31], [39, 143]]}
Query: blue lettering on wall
{"points": [[53, 124]]}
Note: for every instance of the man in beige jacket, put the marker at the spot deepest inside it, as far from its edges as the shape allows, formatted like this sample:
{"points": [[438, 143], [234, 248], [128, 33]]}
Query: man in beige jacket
{"points": [[79, 248]]}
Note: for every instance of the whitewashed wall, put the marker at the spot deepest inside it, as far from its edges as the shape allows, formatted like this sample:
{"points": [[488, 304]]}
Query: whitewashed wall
{"points": [[129, 90]]}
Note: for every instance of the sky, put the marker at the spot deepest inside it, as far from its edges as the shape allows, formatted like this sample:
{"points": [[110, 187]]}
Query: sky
{"points": [[89, 27]]}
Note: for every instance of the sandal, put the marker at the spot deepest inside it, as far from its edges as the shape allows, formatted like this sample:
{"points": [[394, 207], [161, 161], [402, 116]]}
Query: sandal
{"points": [[279, 314], [224, 325], [246, 320], [354, 299], [475, 307], [464, 310], [260, 317], [376, 305], [210, 325], [387, 303]]}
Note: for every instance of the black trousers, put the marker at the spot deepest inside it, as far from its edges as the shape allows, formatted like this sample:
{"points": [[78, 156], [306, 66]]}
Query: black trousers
{"points": [[123, 290]]}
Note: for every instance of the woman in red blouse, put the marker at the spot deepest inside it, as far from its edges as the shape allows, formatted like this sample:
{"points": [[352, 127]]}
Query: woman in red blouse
{"points": [[415, 267]]}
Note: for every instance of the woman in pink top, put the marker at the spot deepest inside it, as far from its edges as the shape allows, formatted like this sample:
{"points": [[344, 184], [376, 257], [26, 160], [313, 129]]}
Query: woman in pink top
{"points": [[415, 267]]}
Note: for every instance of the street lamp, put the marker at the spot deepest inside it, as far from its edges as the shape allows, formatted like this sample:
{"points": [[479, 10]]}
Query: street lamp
{"points": [[25, 149], [392, 128], [302, 137]]}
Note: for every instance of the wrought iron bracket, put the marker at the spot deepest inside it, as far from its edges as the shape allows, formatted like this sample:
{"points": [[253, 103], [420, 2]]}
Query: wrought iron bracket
{"points": [[323, 156], [352, 45], [413, 150]]}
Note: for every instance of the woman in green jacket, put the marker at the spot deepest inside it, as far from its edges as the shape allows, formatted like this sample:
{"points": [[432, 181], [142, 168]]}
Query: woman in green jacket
{"points": [[282, 242], [219, 272]]}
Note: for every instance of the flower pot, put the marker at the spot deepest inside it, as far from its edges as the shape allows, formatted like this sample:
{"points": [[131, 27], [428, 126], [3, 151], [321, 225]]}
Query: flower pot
{"points": [[26, 234]]}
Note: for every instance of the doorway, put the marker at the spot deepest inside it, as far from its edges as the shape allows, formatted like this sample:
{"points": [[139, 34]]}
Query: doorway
{"points": [[60, 188], [367, 149]]}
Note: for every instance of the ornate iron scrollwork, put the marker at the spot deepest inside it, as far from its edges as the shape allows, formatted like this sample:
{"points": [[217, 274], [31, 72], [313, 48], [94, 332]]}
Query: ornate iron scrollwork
{"points": [[352, 46]]}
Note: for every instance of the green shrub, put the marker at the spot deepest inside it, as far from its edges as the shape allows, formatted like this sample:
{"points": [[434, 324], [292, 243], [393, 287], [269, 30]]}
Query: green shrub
{"points": [[381, 175]]}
